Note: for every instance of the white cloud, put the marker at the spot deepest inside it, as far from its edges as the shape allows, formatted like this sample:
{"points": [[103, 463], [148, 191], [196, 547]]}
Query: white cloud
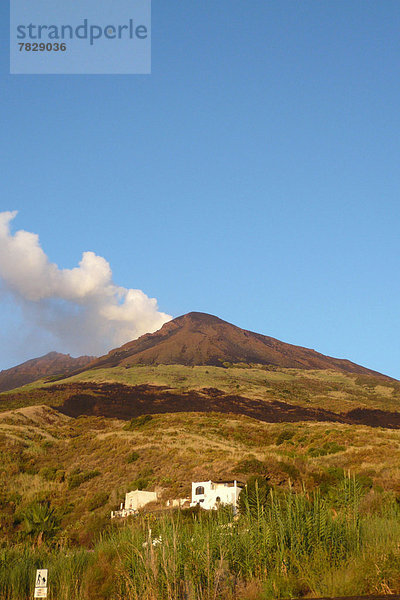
{"points": [[82, 308]]}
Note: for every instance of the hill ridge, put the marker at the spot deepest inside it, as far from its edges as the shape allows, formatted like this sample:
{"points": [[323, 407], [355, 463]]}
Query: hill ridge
{"points": [[52, 363]]}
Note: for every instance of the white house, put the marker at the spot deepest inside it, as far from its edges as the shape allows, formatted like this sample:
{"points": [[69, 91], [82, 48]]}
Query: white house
{"points": [[210, 495], [133, 501], [138, 499], [178, 502]]}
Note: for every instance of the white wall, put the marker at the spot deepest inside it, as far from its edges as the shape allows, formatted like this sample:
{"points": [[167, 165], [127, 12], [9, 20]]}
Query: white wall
{"points": [[215, 494], [138, 499]]}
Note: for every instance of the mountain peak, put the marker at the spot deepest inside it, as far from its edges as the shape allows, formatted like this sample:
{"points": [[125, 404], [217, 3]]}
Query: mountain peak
{"points": [[198, 338], [199, 317]]}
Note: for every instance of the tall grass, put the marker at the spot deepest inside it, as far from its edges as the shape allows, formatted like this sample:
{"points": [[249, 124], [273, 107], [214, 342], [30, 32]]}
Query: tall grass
{"points": [[287, 545]]}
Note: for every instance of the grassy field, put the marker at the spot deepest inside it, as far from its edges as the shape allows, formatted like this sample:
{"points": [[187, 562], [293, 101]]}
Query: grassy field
{"points": [[281, 545], [83, 467], [330, 390], [60, 477]]}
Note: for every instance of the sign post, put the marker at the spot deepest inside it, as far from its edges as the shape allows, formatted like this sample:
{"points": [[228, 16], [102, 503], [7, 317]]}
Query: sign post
{"points": [[41, 584]]}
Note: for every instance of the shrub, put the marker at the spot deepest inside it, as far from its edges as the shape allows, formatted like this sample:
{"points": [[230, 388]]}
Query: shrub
{"points": [[98, 500], [365, 480], [328, 478], [48, 473], [46, 444], [132, 457], [251, 465], [41, 521], [14, 498], [141, 483], [284, 435], [327, 448], [77, 477], [138, 422], [60, 475], [290, 470], [27, 465]]}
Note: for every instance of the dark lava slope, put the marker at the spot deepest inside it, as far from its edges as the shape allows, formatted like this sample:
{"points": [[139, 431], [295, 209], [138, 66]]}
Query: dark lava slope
{"points": [[115, 400]]}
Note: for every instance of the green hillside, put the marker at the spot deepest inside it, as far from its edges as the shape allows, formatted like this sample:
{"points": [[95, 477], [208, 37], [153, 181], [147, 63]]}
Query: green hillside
{"points": [[330, 390], [69, 462], [61, 476]]}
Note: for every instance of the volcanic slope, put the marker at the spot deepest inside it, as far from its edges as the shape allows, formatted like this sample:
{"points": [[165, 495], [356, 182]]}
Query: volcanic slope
{"points": [[202, 339], [52, 363]]}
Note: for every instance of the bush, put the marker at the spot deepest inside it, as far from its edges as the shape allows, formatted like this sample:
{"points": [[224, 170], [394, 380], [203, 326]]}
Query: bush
{"points": [[27, 465], [141, 483], [284, 435], [365, 480], [51, 473], [132, 457], [41, 521], [47, 444], [143, 479], [290, 470], [77, 477], [98, 500], [138, 422], [328, 478], [251, 465], [60, 475], [327, 448]]}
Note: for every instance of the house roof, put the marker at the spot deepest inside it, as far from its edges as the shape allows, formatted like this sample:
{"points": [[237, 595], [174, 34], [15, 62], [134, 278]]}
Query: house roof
{"points": [[239, 483], [141, 492], [232, 481]]}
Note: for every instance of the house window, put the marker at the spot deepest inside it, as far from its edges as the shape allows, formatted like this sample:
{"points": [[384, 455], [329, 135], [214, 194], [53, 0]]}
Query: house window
{"points": [[199, 490]]}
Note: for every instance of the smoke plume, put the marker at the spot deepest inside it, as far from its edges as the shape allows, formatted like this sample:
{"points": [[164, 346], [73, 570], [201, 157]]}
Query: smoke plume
{"points": [[81, 309]]}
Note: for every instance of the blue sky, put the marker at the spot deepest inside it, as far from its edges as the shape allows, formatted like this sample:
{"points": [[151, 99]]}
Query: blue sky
{"points": [[253, 175]]}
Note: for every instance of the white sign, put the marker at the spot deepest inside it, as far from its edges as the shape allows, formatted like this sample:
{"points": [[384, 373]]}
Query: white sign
{"points": [[40, 593], [41, 579]]}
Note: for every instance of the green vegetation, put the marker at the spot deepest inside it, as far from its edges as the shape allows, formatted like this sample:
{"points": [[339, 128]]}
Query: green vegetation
{"points": [[77, 477], [284, 435], [252, 465], [41, 521], [256, 497], [52, 474], [305, 527], [331, 390], [284, 544], [98, 500], [325, 449], [47, 457], [138, 422], [133, 457]]}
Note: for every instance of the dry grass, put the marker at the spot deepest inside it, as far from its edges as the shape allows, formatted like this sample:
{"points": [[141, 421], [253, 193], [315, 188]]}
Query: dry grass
{"points": [[38, 459]]}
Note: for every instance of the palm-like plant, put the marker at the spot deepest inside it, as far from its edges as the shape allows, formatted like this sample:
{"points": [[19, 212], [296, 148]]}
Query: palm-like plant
{"points": [[41, 521]]}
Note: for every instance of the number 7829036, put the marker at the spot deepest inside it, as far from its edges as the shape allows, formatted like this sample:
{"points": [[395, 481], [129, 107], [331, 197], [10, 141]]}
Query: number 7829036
{"points": [[42, 47]]}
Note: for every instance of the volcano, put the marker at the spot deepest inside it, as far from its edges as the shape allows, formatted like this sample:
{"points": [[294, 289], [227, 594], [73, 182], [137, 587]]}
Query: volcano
{"points": [[53, 363], [202, 339]]}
